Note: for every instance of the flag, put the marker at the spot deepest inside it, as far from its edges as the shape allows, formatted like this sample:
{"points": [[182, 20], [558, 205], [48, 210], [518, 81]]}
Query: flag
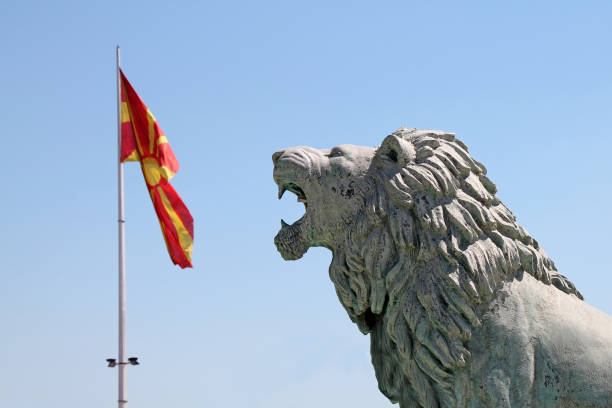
{"points": [[143, 140]]}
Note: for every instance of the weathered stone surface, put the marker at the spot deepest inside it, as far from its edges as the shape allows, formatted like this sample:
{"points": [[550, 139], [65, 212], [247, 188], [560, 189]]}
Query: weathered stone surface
{"points": [[463, 307]]}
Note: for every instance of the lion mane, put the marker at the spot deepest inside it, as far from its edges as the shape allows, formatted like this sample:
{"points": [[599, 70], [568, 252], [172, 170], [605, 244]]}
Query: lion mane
{"points": [[430, 248]]}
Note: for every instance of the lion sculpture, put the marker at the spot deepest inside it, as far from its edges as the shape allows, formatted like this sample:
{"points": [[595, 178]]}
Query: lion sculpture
{"points": [[463, 307]]}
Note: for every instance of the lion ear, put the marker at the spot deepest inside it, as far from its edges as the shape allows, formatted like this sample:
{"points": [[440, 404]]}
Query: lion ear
{"points": [[396, 149]]}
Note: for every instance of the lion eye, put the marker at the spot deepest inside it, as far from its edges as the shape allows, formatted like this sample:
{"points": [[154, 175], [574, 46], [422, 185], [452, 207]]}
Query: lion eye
{"points": [[335, 153]]}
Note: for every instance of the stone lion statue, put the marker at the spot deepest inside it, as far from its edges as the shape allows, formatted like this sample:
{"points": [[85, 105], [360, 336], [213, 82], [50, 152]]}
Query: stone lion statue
{"points": [[463, 307]]}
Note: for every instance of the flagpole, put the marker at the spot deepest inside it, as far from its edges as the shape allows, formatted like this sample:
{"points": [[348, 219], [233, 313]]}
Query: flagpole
{"points": [[122, 364]]}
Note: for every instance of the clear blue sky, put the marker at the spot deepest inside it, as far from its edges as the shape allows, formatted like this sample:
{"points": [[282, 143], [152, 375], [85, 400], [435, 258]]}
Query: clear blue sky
{"points": [[527, 85]]}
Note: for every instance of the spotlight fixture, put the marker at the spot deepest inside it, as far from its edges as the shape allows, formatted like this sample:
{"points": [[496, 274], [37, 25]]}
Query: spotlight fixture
{"points": [[114, 363]]}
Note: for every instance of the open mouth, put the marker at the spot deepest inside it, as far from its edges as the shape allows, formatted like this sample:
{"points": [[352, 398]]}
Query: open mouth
{"points": [[295, 189], [291, 240]]}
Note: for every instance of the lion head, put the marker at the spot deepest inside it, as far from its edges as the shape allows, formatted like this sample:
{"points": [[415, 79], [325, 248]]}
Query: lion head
{"points": [[420, 243]]}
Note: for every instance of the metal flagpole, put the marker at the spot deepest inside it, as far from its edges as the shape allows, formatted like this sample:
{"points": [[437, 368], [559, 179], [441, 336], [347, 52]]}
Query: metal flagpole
{"points": [[122, 364]]}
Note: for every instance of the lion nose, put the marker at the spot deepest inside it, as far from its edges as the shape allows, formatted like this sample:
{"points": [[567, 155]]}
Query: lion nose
{"points": [[277, 155]]}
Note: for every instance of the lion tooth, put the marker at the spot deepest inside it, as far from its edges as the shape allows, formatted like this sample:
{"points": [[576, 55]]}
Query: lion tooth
{"points": [[281, 191], [283, 223]]}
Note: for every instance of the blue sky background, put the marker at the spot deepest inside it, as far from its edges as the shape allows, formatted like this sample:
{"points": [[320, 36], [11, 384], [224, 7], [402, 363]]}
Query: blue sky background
{"points": [[527, 85]]}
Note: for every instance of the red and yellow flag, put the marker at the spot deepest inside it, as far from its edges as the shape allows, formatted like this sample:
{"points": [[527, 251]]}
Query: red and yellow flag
{"points": [[143, 140]]}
